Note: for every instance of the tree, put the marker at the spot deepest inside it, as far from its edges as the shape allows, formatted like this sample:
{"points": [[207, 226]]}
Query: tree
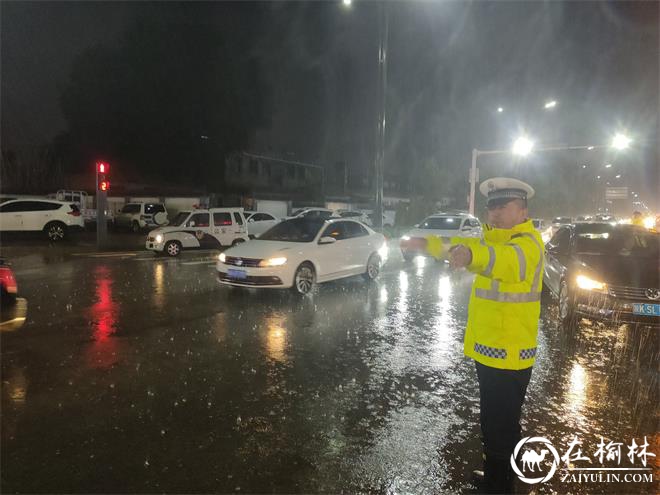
{"points": [[168, 102]]}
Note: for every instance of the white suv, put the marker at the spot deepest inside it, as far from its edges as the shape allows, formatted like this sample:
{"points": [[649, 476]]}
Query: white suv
{"points": [[138, 216], [413, 243], [55, 218]]}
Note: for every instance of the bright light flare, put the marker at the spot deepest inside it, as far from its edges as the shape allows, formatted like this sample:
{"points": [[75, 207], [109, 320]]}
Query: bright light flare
{"points": [[621, 142], [550, 104], [522, 146], [649, 222], [586, 283]]}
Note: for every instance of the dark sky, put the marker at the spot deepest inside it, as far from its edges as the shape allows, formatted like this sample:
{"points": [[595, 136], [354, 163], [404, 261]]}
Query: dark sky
{"points": [[451, 64]]}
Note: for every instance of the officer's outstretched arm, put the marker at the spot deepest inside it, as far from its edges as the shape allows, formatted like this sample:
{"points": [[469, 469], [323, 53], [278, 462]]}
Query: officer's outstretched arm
{"points": [[505, 262]]}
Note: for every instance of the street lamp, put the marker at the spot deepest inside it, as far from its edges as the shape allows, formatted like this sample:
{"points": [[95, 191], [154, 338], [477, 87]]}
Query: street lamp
{"points": [[347, 3], [550, 104], [500, 109], [621, 142], [522, 146]]}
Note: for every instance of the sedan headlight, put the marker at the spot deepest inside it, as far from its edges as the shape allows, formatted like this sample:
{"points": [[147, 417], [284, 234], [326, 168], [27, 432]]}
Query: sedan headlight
{"points": [[272, 262], [586, 283], [159, 238], [222, 257]]}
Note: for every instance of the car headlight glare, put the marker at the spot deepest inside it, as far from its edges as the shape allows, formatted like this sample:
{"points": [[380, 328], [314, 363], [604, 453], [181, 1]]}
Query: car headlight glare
{"points": [[272, 262], [159, 238], [649, 222], [405, 238], [586, 283], [222, 257], [383, 251]]}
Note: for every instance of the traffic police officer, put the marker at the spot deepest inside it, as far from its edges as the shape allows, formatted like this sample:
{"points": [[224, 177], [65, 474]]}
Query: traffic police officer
{"points": [[503, 318]]}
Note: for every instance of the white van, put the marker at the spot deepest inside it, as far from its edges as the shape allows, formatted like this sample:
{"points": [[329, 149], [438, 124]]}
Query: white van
{"points": [[214, 228]]}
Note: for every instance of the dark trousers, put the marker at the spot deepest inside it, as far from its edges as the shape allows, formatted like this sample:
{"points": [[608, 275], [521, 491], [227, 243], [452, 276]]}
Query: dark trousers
{"points": [[501, 396]]}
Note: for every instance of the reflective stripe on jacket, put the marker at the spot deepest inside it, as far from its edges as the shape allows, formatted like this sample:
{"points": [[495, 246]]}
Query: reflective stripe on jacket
{"points": [[504, 308]]}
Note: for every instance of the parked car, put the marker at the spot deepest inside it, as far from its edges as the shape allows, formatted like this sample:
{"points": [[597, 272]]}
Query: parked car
{"points": [[302, 252], [312, 212], [604, 272], [354, 215], [413, 242], [139, 216], [214, 228], [584, 218], [13, 309], [259, 222], [55, 218]]}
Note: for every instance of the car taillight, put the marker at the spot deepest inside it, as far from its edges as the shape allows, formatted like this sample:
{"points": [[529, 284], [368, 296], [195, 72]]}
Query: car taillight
{"points": [[8, 281], [75, 213]]}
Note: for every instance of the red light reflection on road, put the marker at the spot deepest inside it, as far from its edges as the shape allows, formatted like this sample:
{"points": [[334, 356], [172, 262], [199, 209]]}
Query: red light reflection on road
{"points": [[103, 351]]}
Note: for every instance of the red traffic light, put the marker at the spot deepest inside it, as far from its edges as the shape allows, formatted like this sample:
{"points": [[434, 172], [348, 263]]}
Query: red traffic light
{"points": [[102, 167], [104, 185]]}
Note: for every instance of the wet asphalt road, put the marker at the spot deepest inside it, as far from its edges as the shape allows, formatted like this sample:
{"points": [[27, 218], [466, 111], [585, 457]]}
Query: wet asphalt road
{"points": [[140, 374]]}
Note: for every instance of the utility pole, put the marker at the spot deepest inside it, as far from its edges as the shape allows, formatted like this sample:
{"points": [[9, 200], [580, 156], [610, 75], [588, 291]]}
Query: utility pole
{"points": [[380, 141]]}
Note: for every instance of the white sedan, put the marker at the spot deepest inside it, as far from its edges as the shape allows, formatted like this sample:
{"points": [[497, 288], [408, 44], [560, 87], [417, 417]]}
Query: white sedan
{"points": [[259, 222], [302, 252]]}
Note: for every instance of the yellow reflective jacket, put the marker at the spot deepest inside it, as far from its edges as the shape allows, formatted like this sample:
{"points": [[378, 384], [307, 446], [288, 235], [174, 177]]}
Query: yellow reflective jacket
{"points": [[504, 308]]}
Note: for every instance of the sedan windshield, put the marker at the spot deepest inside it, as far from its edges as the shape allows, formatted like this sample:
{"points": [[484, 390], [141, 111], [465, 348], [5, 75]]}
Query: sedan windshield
{"points": [[294, 230], [612, 242], [180, 218], [441, 223]]}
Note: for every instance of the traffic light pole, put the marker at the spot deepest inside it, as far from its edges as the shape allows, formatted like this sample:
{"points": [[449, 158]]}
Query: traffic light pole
{"points": [[101, 207]]}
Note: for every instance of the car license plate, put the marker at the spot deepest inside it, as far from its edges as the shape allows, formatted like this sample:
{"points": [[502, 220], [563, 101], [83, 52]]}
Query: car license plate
{"points": [[646, 309], [237, 274]]}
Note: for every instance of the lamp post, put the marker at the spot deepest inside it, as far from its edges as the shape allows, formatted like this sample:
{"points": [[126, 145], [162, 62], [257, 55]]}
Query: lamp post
{"points": [[379, 165], [523, 146]]}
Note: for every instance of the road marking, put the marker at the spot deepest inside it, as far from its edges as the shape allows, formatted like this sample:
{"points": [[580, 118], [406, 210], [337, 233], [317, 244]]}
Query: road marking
{"points": [[200, 262], [105, 255]]}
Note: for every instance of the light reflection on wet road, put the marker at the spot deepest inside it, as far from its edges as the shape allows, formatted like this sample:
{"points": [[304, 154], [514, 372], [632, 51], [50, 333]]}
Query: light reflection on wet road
{"points": [[142, 375]]}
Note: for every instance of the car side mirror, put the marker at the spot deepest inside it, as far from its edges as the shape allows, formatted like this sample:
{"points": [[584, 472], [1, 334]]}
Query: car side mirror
{"points": [[327, 240]]}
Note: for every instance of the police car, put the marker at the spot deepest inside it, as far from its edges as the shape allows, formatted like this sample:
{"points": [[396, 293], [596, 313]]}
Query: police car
{"points": [[214, 228]]}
